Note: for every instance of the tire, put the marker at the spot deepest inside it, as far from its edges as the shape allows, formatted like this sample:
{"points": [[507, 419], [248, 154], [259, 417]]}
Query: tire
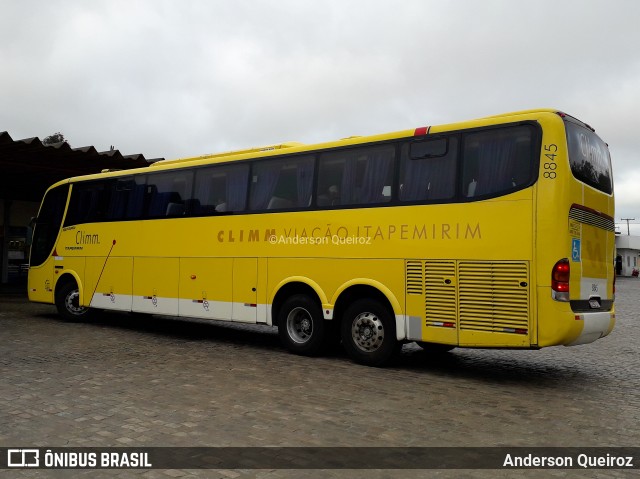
{"points": [[67, 302], [301, 325], [369, 333], [435, 348]]}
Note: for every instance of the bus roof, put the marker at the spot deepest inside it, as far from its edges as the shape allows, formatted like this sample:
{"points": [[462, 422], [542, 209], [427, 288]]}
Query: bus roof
{"points": [[257, 149], [297, 147]]}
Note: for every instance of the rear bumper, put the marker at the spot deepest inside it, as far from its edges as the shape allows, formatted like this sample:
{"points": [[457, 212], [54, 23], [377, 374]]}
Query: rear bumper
{"points": [[594, 326]]}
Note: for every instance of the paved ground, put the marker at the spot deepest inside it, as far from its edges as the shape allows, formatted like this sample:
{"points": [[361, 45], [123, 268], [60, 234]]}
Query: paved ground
{"points": [[131, 381]]}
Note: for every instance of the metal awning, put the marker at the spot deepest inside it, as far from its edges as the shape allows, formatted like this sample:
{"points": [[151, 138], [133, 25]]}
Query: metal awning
{"points": [[28, 168]]}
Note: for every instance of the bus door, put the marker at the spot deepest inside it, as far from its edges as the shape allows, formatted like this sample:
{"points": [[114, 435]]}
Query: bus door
{"points": [[245, 286]]}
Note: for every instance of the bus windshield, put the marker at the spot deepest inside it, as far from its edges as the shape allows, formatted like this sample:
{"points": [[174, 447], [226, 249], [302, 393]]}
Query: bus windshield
{"points": [[589, 157], [48, 224]]}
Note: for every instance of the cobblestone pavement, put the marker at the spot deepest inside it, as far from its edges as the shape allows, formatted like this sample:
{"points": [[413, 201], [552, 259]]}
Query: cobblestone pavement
{"points": [[123, 380]]}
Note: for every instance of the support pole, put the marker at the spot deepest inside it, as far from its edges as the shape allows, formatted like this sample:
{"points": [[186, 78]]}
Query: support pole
{"points": [[4, 269], [627, 220]]}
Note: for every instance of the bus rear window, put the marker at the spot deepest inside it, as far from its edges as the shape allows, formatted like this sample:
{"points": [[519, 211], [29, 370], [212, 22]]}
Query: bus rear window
{"points": [[589, 157]]}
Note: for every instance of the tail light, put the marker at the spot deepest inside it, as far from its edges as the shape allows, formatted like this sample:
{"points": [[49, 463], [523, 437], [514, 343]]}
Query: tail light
{"points": [[560, 280]]}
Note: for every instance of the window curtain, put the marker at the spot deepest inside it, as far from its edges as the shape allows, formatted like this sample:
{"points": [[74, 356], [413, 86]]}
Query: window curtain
{"points": [[429, 178], [348, 184], [376, 176], [495, 162], [237, 188], [441, 178], [262, 190], [414, 181], [204, 184], [304, 177]]}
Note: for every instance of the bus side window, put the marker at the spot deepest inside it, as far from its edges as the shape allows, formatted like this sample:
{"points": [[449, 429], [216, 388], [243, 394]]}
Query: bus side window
{"points": [[284, 183], [89, 203], [126, 198], [428, 169], [219, 189], [496, 160], [356, 176], [167, 193]]}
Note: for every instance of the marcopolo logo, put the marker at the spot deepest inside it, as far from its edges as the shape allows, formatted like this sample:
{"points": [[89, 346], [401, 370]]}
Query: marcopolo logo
{"points": [[23, 457]]}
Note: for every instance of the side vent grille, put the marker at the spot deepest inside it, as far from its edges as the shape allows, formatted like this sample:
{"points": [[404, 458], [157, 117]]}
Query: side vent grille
{"points": [[494, 297], [440, 294], [415, 277], [470, 295], [593, 218]]}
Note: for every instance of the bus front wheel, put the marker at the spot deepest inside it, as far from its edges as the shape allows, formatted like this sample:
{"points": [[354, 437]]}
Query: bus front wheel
{"points": [[68, 302], [369, 333], [301, 325]]}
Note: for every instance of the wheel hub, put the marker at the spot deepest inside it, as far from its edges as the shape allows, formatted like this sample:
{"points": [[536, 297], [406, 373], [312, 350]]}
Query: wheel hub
{"points": [[367, 332], [299, 325], [305, 325], [72, 303]]}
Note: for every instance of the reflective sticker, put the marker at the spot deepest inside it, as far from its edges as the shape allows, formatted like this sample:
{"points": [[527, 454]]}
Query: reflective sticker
{"points": [[574, 228], [575, 250]]}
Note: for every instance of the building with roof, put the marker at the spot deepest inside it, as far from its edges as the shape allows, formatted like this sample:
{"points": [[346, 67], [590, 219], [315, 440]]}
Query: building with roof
{"points": [[627, 254], [27, 169]]}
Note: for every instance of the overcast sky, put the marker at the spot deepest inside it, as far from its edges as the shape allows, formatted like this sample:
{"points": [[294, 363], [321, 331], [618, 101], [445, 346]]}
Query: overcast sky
{"points": [[190, 77]]}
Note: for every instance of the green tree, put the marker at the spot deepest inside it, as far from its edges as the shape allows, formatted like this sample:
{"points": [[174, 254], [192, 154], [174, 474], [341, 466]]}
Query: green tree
{"points": [[57, 137]]}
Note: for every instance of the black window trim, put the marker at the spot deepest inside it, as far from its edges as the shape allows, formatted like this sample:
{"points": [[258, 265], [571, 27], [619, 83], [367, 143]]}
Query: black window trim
{"points": [[534, 167], [395, 201]]}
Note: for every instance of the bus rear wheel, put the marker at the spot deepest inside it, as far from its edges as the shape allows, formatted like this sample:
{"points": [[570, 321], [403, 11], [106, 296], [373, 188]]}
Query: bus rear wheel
{"points": [[68, 302], [301, 325], [369, 333]]}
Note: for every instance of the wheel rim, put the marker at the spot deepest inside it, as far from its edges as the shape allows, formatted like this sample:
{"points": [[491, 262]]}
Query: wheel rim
{"points": [[367, 332], [72, 303], [299, 325]]}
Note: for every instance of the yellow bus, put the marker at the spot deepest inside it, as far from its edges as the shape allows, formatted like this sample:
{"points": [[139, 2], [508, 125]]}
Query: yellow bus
{"points": [[491, 233]]}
